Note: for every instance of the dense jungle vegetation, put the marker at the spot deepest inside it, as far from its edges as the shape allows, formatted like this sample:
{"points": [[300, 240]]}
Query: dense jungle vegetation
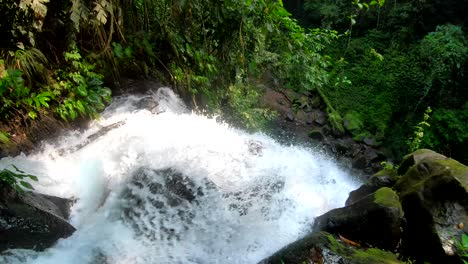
{"points": [[379, 65]]}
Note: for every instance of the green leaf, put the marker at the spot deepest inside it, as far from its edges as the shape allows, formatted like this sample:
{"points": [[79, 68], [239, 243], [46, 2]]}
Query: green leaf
{"points": [[80, 107], [32, 177], [4, 137], [465, 241], [16, 168], [43, 100], [81, 89], [95, 82], [26, 185], [32, 114]]}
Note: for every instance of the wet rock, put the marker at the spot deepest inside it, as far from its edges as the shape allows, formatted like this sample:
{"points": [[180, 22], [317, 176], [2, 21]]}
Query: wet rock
{"points": [[316, 134], [369, 141], [434, 196], [147, 103], [255, 147], [31, 220], [374, 220], [161, 195], [323, 247], [320, 118], [290, 116], [360, 162], [276, 101], [384, 178], [364, 159]]}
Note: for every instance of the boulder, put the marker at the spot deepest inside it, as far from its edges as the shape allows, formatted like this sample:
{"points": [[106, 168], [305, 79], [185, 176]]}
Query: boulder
{"points": [[31, 220], [323, 247], [383, 178], [316, 134], [161, 194], [374, 220], [434, 196]]}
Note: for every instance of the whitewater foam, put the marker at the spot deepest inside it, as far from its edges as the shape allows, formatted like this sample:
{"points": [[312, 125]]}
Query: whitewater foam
{"points": [[251, 195]]}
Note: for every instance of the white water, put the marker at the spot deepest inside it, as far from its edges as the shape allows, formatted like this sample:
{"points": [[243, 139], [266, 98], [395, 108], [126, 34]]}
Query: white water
{"points": [[258, 195]]}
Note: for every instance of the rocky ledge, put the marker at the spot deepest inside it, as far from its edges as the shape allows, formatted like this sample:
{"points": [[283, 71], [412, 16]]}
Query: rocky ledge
{"points": [[31, 220], [417, 210]]}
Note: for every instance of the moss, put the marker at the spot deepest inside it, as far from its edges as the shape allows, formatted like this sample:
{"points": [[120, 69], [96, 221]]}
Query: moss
{"points": [[360, 256], [352, 121], [414, 179], [373, 255], [387, 197], [385, 172], [457, 169]]}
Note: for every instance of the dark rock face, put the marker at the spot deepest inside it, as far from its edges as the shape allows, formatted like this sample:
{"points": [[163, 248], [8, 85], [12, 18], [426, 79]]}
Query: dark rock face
{"points": [[384, 178], [373, 220], [434, 195], [323, 247], [161, 195], [32, 220]]}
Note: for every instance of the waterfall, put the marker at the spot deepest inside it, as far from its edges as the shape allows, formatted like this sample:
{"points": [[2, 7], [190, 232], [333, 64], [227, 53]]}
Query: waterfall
{"points": [[155, 183]]}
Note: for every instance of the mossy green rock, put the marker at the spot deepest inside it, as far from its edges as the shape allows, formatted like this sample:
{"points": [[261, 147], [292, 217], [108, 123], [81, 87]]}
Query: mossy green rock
{"points": [[388, 198], [383, 178], [322, 247], [434, 196], [374, 220]]}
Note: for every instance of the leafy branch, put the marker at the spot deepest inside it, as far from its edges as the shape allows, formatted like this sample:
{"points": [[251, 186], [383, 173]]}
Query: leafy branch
{"points": [[17, 179]]}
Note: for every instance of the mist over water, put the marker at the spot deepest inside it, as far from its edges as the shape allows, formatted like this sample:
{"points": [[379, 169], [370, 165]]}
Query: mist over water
{"points": [[168, 186]]}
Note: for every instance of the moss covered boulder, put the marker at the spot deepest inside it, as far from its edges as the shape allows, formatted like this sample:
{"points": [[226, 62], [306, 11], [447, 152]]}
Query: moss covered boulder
{"points": [[374, 220], [434, 195], [323, 247]]}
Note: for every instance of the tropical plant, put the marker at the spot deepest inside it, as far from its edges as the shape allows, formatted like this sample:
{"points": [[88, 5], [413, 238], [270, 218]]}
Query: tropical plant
{"points": [[17, 179], [16, 96], [415, 141], [81, 89]]}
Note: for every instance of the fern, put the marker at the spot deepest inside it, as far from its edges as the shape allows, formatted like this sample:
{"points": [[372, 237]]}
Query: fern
{"points": [[30, 61]]}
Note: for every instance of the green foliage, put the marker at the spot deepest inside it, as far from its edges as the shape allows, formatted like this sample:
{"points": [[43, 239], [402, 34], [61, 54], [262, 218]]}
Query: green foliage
{"points": [[29, 61], [462, 247], [81, 89], [4, 137], [386, 165], [449, 132], [16, 96], [445, 50], [17, 179], [415, 141], [353, 122], [243, 102], [207, 47], [21, 21]]}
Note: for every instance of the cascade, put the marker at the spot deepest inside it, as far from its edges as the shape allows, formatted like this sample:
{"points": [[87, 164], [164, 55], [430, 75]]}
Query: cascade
{"points": [[155, 183]]}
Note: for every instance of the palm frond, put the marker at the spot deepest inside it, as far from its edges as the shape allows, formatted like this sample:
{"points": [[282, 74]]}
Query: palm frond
{"points": [[30, 61]]}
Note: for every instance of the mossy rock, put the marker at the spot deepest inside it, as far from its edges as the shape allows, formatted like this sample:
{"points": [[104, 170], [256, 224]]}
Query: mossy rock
{"points": [[416, 157], [323, 247], [316, 134], [434, 196], [388, 198], [374, 220], [383, 178]]}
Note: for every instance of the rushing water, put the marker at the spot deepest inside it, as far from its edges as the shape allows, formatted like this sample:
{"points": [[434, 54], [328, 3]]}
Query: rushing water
{"points": [[169, 186]]}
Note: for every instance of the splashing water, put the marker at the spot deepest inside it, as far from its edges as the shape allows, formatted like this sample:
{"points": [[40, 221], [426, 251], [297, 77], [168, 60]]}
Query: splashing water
{"points": [[163, 185]]}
